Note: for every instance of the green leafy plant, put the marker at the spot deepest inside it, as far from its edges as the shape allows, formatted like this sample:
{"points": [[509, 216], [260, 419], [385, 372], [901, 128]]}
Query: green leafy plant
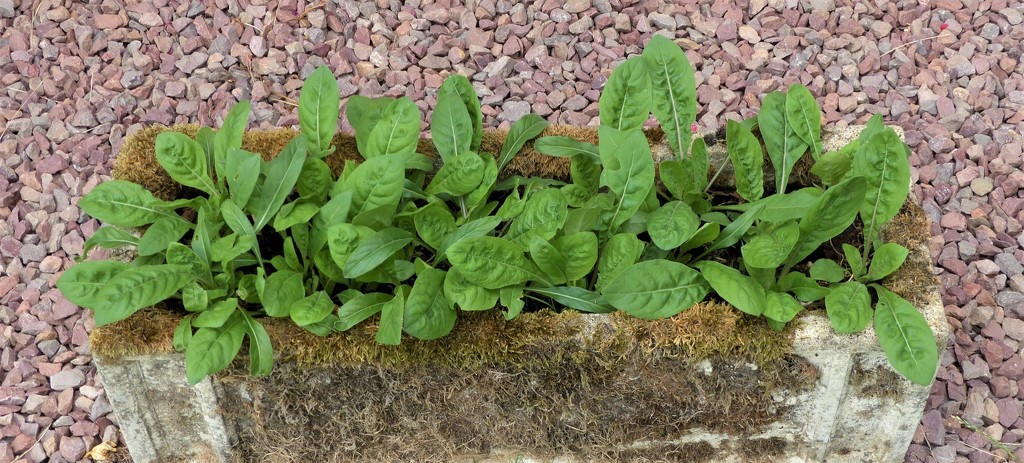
{"points": [[410, 243]]}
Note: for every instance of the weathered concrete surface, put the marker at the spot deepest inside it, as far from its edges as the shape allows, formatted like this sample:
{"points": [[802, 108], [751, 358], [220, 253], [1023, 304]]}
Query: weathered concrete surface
{"points": [[162, 418]]}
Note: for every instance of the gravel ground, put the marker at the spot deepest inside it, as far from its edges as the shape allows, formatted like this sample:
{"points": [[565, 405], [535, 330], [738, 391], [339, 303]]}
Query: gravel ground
{"points": [[75, 77]]}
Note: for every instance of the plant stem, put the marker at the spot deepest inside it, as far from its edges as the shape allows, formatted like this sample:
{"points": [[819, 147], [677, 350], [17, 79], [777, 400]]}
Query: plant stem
{"points": [[717, 172]]}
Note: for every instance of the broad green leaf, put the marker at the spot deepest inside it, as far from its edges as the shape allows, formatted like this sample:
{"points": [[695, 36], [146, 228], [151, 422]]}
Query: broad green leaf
{"points": [[227, 248], [294, 213], [827, 270], [511, 207], [137, 287], [334, 212], [886, 259], [283, 289], [182, 334], [290, 256], [655, 289], [179, 254], [650, 204], [763, 276], [124, 204], [628, 171], [466, 295], [478, 197], [397, 132], [874, 126], [328, 267], [522, 131], [549, 260], [81, 284], [576, 195], [620, 252], [428, 314], [281, 175], [636, 224], [363, 114], [784, 146], [833, 167], [543, 215], [374, 250], [212, 349], [854, 260], [194, 297], [312, 309], [789, 206], [451, 127], [391, 318], [319, 105], [217, 314], [735, 230], [473, 228], [458, 84], [399, 269], [261, 353], [626, 99], [242, 172], [803, 114], [161, 234], [576, 298], [883, 163], [201, 237], [698, 166], [747, 160], [205, 138], [771, 246], [478, 227], [459, 175], [580, 252], [315, 181], [741, 291], [511, 298], [781, 308], [674, 91], [565, 147], [434, 223], [109, 237], [375, 183], [782, 207], [237, 221], [802, 286], [230, 134], [585, 171], [848, 306], [492, 262], [829, 216], [671, 225], [906, 338], [360, 308], [674, 176], [704, 235], [579, 220], [322, 328], [184, 160]]}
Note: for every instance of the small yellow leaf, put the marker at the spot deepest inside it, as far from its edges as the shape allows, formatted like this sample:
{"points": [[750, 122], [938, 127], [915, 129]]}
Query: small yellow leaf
{"points": [[104, 451]]}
